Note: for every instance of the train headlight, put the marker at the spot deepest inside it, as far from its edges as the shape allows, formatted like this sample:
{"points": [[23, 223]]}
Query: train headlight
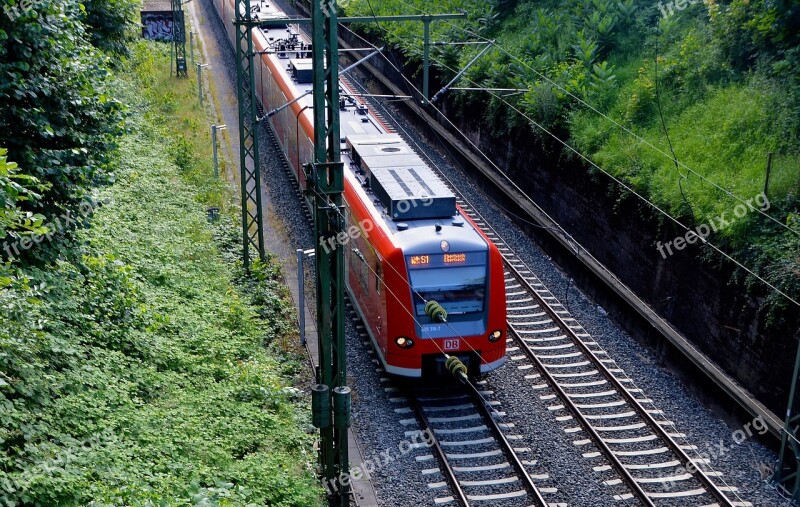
{"points": [[404, 343], [496, 335]]}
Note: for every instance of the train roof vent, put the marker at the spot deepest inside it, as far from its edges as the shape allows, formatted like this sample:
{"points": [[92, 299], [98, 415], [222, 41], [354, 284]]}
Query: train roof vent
{"points": [[412, 193], [302, 70], [405, 185]]}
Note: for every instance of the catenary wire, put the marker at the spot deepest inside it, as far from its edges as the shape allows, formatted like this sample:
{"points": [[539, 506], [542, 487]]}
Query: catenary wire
{"points": [[596, 166]]}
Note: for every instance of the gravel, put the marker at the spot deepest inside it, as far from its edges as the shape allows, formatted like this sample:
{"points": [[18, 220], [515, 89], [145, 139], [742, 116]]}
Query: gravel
{"points": [[398, 475]]}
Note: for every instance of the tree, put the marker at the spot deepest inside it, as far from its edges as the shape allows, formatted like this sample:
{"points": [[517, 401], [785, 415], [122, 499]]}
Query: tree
{"points": [[57, 119], [109, 23]]}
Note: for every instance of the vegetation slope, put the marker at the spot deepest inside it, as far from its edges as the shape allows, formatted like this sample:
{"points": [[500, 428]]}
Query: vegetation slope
{"points": [[138, 364]]}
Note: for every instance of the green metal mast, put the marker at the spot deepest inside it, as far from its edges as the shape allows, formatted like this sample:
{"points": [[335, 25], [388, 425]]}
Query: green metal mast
{"points": [[249, 162], [787, 473], [179, 38], [326, 183]]}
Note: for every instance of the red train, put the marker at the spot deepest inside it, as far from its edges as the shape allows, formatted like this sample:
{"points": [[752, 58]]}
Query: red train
{"points": [[410, 244]]}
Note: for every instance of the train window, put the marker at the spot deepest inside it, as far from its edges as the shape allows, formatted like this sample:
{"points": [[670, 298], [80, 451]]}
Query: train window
{"points": [[460, 290]]}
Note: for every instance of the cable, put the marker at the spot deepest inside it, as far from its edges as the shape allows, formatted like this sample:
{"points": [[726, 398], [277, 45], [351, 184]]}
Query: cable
{"points": [[566, 307], [681, 176], [610, 274], [595, 110]]}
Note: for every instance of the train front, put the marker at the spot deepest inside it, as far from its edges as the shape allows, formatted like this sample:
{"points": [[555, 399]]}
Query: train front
{"points": [[456, 289]]}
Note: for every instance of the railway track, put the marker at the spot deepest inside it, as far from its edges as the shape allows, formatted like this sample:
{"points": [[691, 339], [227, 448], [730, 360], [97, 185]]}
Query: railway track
{"points": [[641, 455], [479, 456], [640, 452], [468, 447], [478, 460]]}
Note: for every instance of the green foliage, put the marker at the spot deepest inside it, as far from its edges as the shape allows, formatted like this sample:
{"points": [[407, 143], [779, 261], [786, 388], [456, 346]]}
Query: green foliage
{"points": [[16, 188], [58, 121], [110, 23], [133, 370], [749, 31]]}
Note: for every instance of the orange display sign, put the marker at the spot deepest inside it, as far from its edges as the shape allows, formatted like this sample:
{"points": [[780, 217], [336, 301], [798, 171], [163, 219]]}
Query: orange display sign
{"points": [[420, 260], [455, 258]]}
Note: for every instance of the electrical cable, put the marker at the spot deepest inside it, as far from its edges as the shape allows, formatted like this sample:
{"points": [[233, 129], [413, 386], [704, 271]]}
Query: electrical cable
{"points": [[566, 306], [681, 176], [699, 456]]}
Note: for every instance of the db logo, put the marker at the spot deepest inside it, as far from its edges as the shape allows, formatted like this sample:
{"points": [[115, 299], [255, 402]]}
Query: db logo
{"points": [[452, 344]]}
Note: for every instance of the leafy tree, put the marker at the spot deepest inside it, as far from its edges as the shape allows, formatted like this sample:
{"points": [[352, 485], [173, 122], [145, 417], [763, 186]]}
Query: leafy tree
{"points": [[109, 23], [16, 188], [748, 30], [58, 120]]}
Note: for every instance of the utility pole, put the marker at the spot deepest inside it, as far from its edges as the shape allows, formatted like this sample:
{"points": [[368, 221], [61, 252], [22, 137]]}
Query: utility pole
{"points": [[200, 81], [214, 130], [179, 39], [249, 161], [331, 397], [326, 184]]}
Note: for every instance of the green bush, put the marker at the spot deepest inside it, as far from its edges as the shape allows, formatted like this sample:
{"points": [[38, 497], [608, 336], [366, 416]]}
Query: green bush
{"points": [[59, 121]]}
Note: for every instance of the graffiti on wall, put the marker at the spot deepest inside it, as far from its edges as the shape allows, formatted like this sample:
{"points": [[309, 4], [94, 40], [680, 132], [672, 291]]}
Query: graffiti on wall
{"points": [[157, 26]]}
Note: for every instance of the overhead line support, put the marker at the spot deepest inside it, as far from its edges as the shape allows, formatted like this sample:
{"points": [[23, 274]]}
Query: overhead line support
{"points": [[426, 19], [179, 39], [249, 161], [325, 181]]}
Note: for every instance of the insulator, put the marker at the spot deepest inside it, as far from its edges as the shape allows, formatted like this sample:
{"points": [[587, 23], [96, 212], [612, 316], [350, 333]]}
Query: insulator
{"points": [[435, 311], [456, 368], [320, 406], [341, 408]]}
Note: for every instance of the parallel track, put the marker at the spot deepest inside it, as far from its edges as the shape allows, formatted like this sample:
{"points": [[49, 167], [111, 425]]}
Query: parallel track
{"points": [[647, 459]]}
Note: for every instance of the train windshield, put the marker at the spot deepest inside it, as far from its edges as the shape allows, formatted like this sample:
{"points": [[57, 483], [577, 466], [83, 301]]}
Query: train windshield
{"points": [[460, 290]]}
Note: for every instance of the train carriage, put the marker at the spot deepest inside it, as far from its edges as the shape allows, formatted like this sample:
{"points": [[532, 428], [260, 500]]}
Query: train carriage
{"points": [[410, 245]]}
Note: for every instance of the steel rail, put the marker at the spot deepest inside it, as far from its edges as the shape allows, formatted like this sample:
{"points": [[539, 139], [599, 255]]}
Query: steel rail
{"points": [[630, 481], [449, 473], [487, 413], [686, 461]]}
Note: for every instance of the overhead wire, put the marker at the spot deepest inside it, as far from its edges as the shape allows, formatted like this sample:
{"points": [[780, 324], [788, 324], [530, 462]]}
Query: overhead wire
{"points": [[424, 152], [431, 161], [566, 297], [566, 307], [681, 177]]}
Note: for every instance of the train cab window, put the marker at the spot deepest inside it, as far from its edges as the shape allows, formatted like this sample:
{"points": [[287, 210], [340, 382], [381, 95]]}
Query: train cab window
{"points": [[460, 290]]}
